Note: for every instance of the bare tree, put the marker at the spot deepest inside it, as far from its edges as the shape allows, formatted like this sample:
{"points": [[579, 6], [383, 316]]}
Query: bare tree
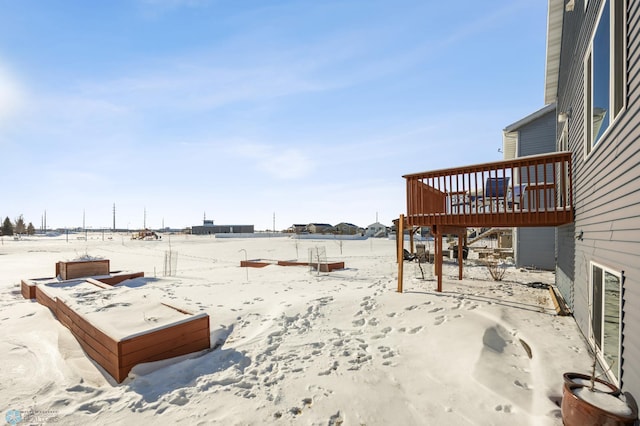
{"points": [[496, 270], [20, 227]]}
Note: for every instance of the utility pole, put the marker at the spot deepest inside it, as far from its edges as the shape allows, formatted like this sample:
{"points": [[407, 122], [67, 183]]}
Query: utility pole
{"points": [[114, 217], [274, 222], [144, 222], [83, 222]]}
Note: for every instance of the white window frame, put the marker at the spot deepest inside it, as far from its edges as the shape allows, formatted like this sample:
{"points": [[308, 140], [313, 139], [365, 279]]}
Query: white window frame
{"points": [[563, 140], [613, 372], [616, 6], [562, 144]]}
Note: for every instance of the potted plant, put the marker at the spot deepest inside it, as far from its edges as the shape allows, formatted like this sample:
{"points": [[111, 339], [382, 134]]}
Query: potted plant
{"points": [[588, 400]]}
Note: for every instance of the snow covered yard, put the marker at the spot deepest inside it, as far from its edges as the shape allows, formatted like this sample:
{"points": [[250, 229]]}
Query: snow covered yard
{"points": [[294, 346]]}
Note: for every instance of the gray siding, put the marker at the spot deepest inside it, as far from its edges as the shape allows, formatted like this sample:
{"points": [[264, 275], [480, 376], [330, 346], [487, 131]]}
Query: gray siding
{"points": [[536, 247], [565, 262], [538, 137], [606, 185]]}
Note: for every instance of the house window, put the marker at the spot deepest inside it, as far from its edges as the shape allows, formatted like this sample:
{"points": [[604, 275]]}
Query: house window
{"points": [[563, 141], [606, 302], [562, 145], [605, 73]]}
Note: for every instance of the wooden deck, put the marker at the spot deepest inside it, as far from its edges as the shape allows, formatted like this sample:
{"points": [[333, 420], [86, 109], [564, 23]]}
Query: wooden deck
{"points": [[523, 192], [531, 191]]}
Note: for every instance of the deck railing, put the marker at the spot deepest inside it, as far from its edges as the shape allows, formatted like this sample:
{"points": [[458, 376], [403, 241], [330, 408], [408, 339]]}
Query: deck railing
{"points": [[526, 191]]}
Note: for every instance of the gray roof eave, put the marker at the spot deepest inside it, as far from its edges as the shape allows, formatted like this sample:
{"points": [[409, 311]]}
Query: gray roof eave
{"points": [[554, 43], [530, 118]]}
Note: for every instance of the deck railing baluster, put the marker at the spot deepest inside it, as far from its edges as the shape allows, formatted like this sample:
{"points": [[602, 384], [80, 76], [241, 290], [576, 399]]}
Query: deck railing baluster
{"points": [[460, 196]]}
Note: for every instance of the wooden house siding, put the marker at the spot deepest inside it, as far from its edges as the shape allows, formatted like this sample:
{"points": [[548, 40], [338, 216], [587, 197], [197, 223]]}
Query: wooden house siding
{"points": [[606, 186]]}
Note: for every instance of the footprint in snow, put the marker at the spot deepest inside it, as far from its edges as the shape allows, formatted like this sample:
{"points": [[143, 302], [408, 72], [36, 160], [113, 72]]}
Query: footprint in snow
{"points": [[440, 320], [504, 408], [521, 385]]}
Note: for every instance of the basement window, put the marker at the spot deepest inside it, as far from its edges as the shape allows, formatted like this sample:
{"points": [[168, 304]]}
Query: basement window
{"points": [[605, 306]]}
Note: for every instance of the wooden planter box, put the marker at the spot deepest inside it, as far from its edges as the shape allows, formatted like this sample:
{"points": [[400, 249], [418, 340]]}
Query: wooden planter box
{"points": [[256, 263], [82, 268], [328, 267], [112, 336], [260, 263], [116, 278], [28, 286], [324, 267]]}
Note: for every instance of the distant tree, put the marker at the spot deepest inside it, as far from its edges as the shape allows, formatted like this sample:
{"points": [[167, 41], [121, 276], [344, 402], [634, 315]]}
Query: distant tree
{"points": [[20, 227], [7, 227], [30, 229]]}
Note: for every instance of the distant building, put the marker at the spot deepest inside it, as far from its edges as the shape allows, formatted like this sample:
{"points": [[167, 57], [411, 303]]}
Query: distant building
{"points": [[376, 230], [345, 228], [208, 228], [319, 228], [297, 228]]}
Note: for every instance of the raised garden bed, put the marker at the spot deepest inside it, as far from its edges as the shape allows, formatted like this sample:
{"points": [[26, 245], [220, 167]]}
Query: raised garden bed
{"points": [[117, 331], [82, 268], [28, 286], [111, 323], [261, 263], [256, 263], [328, 267]]}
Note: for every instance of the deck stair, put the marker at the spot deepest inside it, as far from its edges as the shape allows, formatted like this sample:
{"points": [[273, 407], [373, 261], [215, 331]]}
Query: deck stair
{"points": [[487, 233]]}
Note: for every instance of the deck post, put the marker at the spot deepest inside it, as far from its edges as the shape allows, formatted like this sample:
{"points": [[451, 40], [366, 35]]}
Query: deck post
{"points": [[460, 250], [411, 249], [438, 257], [400, 247]]}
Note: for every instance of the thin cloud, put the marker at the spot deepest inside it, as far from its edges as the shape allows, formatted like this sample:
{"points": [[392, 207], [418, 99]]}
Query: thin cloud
{"points": [[174, 3], [155, 8], [11, 94], [282, 164], [202, 87]]}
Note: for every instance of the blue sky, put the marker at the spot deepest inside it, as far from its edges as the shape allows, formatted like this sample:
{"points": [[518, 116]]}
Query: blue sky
{"points": [[312, 110]]}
